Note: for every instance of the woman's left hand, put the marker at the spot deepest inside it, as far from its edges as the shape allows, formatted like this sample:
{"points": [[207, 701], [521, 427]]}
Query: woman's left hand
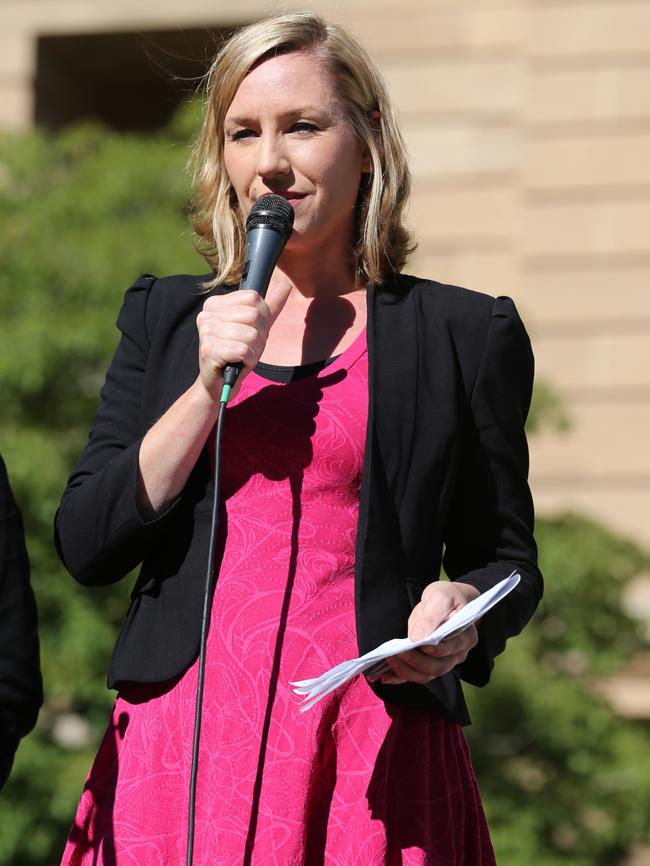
{"points": [[439, 601]]}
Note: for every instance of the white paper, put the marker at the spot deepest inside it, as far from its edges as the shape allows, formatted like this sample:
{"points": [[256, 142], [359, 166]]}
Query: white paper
{"points": [[374, 662]]}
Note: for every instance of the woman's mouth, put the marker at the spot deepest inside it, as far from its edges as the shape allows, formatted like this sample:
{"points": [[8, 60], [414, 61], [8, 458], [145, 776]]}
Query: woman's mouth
{"points": [[292, 196]]}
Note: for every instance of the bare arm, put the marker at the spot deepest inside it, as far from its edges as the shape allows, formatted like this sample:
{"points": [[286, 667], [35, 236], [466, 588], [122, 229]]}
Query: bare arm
{"points": [[171, 448]]}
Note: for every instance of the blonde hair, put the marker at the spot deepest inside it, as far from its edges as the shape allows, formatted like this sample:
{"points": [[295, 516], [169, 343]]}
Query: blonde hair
{"points": [[382, 242]]}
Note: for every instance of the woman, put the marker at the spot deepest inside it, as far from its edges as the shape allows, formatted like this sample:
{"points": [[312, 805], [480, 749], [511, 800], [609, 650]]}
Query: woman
{"points": [[383, 418]]}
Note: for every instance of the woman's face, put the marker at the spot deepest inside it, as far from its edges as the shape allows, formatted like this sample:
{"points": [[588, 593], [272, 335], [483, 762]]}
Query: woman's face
{"points": [[286, 132]]}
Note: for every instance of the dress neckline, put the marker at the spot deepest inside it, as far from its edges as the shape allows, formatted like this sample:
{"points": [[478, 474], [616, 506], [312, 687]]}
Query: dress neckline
{"points": [[346, 359]]}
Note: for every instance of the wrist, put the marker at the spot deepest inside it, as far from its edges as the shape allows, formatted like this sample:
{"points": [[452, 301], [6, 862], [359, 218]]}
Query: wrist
{"points": [[204, 398]]}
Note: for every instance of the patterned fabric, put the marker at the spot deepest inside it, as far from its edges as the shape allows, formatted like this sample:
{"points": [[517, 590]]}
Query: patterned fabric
{"points": [[351, 781]]}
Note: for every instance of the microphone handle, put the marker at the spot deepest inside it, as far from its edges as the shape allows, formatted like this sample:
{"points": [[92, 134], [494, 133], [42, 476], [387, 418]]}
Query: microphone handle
{"points": [[264, 245]]}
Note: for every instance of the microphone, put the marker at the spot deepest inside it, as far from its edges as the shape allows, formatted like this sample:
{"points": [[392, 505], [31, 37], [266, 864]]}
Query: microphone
{"points": [[268, 228]]}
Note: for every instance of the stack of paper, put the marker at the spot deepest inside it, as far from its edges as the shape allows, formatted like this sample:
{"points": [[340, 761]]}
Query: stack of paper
{"points": [[374, 662]]}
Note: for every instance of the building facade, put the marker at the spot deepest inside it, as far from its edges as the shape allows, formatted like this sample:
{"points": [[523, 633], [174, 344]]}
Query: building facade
{"points": [[528, 125]]}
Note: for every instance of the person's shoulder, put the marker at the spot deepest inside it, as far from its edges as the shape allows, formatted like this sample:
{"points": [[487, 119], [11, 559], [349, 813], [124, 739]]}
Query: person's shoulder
{"points": [[449, 300], [177, 289], [162, 302], [465, 313], [476, 323]]}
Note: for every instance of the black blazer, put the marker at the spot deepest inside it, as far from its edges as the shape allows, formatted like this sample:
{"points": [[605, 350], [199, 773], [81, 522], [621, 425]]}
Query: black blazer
{"points": [[446, 464], [21, 689]]}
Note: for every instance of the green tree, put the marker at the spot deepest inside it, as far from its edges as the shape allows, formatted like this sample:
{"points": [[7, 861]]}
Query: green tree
{"points": [[563, 777], [82, 214]]}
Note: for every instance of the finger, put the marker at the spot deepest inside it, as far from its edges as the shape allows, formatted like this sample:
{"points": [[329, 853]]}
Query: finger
{"points": [[218, 339], [243, 297], [419, 662], [408, 673], [253, 317], [391, 680], [222, 329], [429, 613], [462, 642], [439, 600], [277, 297], [216, 354], [235, 332], [421, 665], [250, 316]]}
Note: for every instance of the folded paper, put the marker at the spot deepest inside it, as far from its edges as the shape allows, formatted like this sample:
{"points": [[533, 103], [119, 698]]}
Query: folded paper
{"points": [[374, 662]]}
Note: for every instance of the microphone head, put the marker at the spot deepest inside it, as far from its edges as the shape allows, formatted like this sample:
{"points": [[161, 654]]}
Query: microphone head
{"points": [[273, 211]]}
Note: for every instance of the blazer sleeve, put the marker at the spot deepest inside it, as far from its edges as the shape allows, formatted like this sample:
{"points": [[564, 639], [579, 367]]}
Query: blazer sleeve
{"points": [[99, 532], [21, 690], [490, 530]]}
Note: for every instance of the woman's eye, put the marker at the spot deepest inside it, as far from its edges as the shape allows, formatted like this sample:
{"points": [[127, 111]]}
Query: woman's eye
{"points": [[305, 127], [240, 134]]}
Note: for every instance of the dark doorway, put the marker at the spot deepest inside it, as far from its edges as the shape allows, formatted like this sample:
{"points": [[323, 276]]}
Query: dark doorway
{"points": [[129, 81]]}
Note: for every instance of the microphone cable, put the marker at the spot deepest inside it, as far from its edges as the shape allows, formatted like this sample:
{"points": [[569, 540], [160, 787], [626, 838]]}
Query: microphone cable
{"points": [[268, 227], [205, 622]]}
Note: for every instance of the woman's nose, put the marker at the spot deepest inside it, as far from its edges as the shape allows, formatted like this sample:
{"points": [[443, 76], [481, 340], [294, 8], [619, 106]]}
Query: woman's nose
{"points": [[272, 156]]}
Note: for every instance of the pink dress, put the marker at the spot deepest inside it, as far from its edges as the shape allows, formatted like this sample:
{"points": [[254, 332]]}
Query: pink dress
{"points": [[351, 782]]}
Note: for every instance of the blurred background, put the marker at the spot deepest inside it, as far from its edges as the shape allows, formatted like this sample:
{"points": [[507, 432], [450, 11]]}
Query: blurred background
{"points": [[528, 127]]}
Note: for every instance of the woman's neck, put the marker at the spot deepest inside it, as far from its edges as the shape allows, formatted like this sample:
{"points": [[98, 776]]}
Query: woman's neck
{"points": [[314, 278], [322, 315]]}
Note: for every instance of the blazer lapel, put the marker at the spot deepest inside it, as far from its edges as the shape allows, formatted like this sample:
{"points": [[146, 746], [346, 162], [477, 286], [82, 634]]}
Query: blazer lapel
{"points": [[394, 379]]}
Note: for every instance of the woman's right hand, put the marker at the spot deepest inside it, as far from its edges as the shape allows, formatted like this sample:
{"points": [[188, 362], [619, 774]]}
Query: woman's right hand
{"points": [[233, 329]]}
